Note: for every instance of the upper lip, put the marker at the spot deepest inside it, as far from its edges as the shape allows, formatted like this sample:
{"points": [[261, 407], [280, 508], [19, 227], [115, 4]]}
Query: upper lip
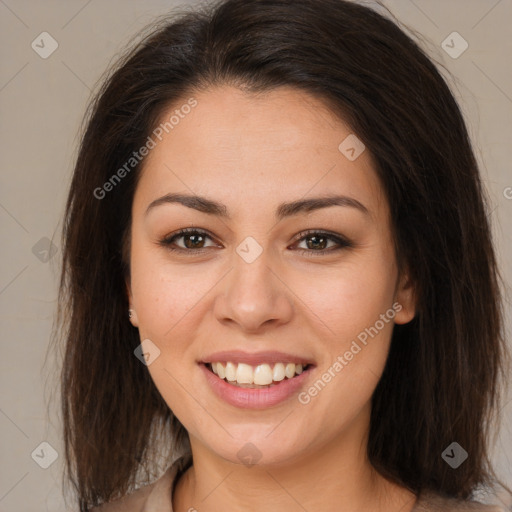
{"points": [[255, 358]]}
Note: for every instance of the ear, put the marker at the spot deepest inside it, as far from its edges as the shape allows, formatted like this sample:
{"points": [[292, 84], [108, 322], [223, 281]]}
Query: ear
{"points": [[405, 297], [132, 312]]}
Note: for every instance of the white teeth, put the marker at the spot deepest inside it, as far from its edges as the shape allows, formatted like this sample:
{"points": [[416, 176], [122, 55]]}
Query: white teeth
{"points": [[230, 371], [289, 371], [261, 375], [278, 373], [221, 372], [244, 374]]}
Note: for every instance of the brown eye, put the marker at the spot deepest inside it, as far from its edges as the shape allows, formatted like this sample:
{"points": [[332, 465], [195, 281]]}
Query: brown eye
{"points": [[317, 243], [193, 240]]}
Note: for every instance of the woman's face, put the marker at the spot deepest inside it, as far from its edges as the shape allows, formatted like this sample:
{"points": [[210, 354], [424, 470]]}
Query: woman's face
{"points": [[251, 290]]}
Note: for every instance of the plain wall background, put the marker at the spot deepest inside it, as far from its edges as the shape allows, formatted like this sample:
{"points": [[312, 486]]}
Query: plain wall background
{"points": [[42, 102]]}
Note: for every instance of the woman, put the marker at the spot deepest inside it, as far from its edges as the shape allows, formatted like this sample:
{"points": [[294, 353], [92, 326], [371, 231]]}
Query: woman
{"points": [[278, 270]]}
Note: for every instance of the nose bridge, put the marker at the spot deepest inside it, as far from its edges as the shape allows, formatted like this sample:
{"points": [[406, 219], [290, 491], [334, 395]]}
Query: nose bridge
{"points": [[253, 294], [252, 278]]}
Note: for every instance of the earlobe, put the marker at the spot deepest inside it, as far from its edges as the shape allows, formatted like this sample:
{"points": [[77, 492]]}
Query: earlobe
{"points": [[405, 300], [132, 314]]}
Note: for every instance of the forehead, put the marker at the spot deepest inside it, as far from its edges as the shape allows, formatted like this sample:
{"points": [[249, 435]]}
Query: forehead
{"points": [[255, 149]]}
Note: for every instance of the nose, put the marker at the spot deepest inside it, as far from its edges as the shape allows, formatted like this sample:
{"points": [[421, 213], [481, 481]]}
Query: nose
{"points": [[253, 296]]}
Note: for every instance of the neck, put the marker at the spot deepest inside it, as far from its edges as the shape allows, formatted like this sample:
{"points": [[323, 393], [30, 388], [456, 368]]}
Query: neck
{"points": [[334, 476]]}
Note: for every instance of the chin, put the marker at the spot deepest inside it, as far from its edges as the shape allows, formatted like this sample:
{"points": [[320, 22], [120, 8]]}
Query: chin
{"points": [[260, 449]]}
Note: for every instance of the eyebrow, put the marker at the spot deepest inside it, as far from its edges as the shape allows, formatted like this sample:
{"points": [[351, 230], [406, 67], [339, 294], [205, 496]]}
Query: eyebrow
{"points": [[289, 209]]}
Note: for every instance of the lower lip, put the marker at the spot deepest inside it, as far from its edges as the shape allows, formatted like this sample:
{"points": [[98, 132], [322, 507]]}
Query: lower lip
{"points": [[254, 398]]}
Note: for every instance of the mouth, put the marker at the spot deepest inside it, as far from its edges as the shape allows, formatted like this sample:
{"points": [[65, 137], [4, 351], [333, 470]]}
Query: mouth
{"points": [[260, 376], [256, 380]]}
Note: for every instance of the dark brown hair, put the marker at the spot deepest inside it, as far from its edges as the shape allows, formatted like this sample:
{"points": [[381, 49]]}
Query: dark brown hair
{"points": [[441, 381]]}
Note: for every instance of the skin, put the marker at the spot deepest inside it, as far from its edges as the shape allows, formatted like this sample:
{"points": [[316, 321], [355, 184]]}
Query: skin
{"points": [[252, 152]]}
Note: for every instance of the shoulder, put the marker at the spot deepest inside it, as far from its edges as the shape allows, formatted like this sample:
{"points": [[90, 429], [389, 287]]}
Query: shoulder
{"points": [[433, 502], [133, 502], [155, 496]]}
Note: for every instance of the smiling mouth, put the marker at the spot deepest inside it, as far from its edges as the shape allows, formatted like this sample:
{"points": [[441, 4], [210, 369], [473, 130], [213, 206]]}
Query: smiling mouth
{"points": [[260, 376]]}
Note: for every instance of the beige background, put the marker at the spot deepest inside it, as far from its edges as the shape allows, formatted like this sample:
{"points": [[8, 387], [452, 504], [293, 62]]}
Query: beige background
{"points": [[42, 102]]}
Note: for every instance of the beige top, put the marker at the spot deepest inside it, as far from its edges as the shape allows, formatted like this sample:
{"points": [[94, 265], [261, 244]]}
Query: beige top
{"points": [[157, 497]]}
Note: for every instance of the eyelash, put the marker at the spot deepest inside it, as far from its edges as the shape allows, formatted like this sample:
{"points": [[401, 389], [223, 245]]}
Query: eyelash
{"points": [[342, 242]]}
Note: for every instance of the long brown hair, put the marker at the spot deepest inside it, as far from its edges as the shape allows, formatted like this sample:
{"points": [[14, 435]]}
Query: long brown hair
{"points": [[441, 381]]}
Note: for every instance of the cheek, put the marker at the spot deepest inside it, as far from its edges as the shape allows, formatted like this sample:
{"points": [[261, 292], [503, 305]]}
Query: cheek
{"points": [[164, 293], [356, 318], [167, 298], [350, 300]]}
